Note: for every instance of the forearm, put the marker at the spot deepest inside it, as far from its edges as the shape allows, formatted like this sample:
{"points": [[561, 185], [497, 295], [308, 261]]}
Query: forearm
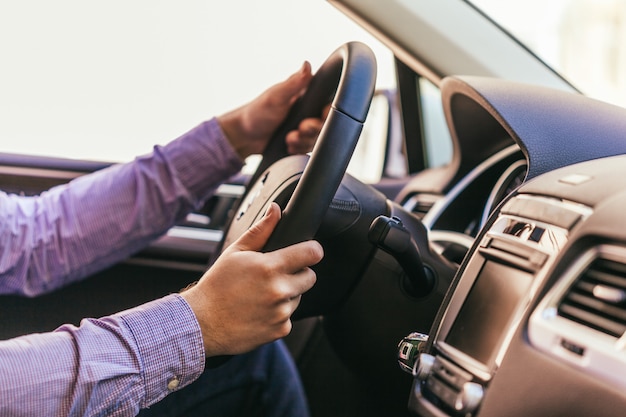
{"points": [[112, 366], [77, 229]]}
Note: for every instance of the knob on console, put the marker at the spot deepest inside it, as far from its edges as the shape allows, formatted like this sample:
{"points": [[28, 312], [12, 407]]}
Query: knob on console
{"points": [[409, 350], [469, 398]]}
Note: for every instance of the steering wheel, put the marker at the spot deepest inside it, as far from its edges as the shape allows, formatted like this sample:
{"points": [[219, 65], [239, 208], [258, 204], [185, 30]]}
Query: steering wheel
{"points": [[304, 186]]}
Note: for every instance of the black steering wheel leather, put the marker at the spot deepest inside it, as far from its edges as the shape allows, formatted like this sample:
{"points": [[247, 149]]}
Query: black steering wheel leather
{"points": [[304, 187]]}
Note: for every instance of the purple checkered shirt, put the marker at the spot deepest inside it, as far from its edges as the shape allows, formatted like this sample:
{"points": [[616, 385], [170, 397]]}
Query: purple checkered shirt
{"points": [[115, 365]]}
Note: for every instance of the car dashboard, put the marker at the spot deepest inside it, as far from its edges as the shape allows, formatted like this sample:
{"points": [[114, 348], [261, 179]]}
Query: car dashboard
{"points": [[534, 321], [456, 217]]}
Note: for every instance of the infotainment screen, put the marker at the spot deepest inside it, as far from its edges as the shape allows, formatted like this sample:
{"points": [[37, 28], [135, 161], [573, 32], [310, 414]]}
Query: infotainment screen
{"points": [[481, 324]]}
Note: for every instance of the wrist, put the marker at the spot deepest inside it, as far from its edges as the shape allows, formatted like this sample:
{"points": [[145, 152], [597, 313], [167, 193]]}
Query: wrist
{"points": [[196, 300], [235, 132]]}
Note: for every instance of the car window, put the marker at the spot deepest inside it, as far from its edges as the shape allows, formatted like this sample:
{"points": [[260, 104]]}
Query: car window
{"points": [[437, 136], [584, 40], [384, 121], [368, 160], [107, 80]]}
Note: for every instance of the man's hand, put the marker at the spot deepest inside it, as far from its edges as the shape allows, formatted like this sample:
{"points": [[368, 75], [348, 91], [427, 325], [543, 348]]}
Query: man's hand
{"points": [[250, 127], [246, 298]]}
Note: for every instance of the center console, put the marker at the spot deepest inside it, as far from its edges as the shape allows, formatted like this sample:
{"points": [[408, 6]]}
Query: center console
{"points": [[499, 282]]}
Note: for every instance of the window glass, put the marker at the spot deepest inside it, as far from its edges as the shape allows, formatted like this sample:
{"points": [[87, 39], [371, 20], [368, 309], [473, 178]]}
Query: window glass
{"points": [[368, 160], [107, 80], [584, 40], [437, 137]]}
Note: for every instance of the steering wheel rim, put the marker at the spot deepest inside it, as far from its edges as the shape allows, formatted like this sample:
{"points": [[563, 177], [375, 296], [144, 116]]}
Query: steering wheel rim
{"points": [[349, 77]]}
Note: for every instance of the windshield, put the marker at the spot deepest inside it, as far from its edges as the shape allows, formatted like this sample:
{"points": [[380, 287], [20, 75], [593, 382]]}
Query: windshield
{"points": [[583, 40]]}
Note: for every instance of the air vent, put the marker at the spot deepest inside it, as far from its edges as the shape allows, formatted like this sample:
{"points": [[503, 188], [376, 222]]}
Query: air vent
{"points": [[597, 298]]}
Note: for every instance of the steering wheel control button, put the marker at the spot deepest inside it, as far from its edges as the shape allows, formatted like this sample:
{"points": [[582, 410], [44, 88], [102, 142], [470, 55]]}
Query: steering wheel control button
{"points": [[409, 350]]}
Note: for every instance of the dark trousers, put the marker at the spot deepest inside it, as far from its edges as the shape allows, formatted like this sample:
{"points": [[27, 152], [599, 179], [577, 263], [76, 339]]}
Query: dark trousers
{"points": [[264, 383]]}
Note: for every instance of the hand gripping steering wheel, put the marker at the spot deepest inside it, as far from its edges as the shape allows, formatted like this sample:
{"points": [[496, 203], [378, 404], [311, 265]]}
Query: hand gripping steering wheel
{"points": [[304, 186]]}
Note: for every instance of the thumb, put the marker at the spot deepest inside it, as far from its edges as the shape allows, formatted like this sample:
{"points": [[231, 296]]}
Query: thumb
{"points": [[294, 86], [257, 235]]}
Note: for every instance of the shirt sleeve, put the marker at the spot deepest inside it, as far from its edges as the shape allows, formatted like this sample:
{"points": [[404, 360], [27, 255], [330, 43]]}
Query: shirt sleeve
{"points": [[107, 367], [114, 365], [76, 229]]}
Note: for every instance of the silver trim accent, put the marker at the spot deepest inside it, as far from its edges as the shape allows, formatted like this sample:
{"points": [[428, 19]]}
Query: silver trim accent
{"points": [[54, 174], [195, 242], [437, 236], [554, 237], [423, 366], [440, 206], [199, 219], [230, 190], [504, 179], [579, 208], [192, 233], [411, 203], [609, 294]]}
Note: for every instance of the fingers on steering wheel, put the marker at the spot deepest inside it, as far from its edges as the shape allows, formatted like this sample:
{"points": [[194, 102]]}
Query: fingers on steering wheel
{"points": [[303, 139]]}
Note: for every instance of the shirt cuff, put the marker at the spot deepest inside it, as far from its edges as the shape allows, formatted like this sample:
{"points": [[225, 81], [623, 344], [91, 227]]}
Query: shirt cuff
{"points": [[170, 345]]}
